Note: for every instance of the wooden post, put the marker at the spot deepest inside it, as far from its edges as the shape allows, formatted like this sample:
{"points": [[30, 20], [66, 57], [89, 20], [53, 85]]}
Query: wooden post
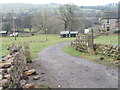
{"points": [[92, 35], [46, 35], [90, 44], [76, 42]]}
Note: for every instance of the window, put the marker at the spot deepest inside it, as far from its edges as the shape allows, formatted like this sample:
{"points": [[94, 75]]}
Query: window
{"points": [[104, 25], [108, 28], [108, 21], [117, 21]]}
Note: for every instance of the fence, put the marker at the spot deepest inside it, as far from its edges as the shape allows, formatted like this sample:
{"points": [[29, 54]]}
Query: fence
{"points": [[84, 43]]}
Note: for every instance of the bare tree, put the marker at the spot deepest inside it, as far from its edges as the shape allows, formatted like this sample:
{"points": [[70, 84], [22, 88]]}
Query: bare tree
{"points": [[37, 22], [28, 22], [68, 15]]}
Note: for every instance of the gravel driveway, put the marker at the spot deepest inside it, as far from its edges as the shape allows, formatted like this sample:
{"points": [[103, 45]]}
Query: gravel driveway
{"points": [[66, 71]]}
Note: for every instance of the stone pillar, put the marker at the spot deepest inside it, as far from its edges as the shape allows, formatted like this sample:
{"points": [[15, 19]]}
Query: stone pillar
{"points": [[27, 52]]}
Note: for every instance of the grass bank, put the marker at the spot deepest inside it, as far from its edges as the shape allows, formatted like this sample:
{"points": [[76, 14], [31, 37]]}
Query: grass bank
{"points": [[100, 59], [37, 43]]}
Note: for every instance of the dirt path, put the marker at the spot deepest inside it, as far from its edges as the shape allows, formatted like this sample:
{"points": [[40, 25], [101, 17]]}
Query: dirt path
{"points": [[58, 69]]}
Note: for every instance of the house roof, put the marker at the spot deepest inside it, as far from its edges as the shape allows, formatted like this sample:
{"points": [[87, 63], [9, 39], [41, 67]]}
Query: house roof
{"points": [[110, 18], [73, 32], [3, 32], [64, 32]]}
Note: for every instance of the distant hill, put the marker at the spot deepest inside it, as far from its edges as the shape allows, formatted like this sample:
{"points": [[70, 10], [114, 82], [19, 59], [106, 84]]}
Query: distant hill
{"points": [[32, 8], [108, 7], [26, 8]]}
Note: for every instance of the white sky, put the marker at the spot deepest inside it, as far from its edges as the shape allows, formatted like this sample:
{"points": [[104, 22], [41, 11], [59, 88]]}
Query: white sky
{"points": [[77, 2]]}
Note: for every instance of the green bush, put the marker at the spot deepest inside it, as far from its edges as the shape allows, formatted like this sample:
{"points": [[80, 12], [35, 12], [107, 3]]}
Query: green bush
{"points": [[103, 30], [117, 31]]}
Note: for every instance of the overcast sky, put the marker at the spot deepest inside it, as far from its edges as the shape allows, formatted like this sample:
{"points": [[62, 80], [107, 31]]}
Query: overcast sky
{"points": [[77, 2]]}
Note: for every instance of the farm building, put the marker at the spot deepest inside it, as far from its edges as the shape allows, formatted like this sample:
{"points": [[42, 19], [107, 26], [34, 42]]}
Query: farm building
{"points": [[3, 33], [68, 34], [64, 34], [73, 33]]}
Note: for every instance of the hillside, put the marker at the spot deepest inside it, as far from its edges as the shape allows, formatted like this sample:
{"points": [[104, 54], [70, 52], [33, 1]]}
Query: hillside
{"points": [[26, 8], [32, 8]]}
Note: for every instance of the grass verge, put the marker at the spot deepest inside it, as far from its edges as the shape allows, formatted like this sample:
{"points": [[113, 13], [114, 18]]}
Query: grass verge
{"points": [[99, 59]]}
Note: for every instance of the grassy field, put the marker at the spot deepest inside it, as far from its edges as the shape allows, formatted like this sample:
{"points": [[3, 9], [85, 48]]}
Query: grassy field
{"points": [[112, 39], [37, 43]]}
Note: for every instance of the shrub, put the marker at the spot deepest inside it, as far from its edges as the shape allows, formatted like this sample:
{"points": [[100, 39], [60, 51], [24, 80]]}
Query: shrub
{"points": [[116, 31], [103, 30]]}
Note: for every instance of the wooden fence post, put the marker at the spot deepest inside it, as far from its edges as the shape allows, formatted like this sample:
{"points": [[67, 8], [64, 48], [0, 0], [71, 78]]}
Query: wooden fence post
{"points": [[76, 43], [90, 44]]}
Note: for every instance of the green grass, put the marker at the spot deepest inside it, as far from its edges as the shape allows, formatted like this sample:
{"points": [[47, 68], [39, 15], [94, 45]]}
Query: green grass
{"points": [[112, 39], [37, 43], [93, 58], [68, 49]]}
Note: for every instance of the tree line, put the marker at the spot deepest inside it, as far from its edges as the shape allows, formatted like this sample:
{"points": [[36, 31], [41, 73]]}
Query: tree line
{"points": [[66, 17]]}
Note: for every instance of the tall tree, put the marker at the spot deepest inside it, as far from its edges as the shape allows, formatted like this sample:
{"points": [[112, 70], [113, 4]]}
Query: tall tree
{"points": [[7, 27], [28, 22], [68, 15], [38, 22]]}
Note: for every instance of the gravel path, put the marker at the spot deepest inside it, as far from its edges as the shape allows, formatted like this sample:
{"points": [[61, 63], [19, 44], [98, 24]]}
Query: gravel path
{"points": [[66, 71]]}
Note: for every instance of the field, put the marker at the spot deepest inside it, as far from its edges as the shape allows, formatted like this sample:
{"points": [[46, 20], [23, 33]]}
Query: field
{"points": [[37, 43], [112, 39]]}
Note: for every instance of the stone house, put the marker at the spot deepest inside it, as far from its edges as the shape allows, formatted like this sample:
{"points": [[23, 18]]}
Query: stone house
{"points": [[108, 25]]}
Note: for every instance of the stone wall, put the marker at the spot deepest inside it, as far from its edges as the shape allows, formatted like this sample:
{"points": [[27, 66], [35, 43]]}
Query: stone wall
{"points": [[80, 47], [12, 67], [108, 50]]}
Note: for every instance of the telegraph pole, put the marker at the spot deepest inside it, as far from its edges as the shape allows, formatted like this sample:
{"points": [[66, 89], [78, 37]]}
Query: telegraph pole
{"points": [[14, 26], [45, 26]]}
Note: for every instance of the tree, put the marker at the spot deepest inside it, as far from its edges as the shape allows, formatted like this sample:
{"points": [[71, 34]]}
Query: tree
{"points": [[19, 23], [28, 22], [68, 16], [38, 22], [7, 27]]}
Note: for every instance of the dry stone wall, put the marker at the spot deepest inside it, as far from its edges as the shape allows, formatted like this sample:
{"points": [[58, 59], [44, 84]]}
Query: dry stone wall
{"points": [[80, 47], [108, 50], [12, 67]]}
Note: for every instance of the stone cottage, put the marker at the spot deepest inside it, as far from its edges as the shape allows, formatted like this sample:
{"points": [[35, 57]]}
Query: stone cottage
{"points": [[108, 25]]}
